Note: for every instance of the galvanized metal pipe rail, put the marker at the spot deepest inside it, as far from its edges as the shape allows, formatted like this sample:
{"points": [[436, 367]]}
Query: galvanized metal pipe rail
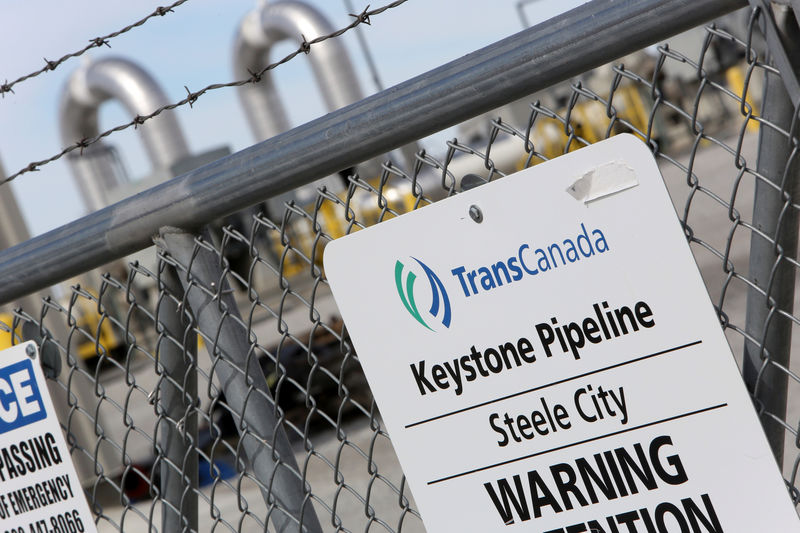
{"points": [[177, 424], [263, 436], [529, 61], [771, 272]]}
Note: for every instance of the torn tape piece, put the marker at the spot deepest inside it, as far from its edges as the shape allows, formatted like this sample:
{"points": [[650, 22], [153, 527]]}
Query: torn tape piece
{"points": [[602, 181]]}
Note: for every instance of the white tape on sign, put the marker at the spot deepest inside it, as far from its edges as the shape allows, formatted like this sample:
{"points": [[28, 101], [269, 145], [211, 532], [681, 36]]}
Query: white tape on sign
{"points": [[602, 181]]}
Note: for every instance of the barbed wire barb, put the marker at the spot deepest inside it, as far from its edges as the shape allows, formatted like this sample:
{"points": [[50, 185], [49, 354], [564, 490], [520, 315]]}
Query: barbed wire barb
{"points": [[191, 98]]}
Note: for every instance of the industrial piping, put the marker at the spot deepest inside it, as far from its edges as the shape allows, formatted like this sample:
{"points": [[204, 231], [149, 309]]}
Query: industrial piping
{"points": [[505, 71], [122, 80], [259, 31]]}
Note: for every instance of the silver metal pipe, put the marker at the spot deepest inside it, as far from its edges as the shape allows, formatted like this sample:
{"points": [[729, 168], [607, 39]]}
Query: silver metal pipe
{"points": [[529, 61], [13, 230], [778, 163], [284, 20], [242, 381], [122, 80], [177, 424], [263, 108]]}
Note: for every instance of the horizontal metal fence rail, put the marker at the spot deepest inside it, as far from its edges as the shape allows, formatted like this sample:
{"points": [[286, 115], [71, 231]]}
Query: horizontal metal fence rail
{"points": [[529, 61]]}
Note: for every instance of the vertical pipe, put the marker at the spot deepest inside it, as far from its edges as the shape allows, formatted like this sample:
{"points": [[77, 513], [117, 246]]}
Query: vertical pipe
{"points": [[97, 174], [13, 230], [265, 112], [769, 269], [242, 380], [362, 41], [177, 355]]}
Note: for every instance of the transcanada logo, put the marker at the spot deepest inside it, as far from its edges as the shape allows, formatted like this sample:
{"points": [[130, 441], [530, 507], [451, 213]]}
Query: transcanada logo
{"points": [[439, 299], [523, 261], [531, 260]]}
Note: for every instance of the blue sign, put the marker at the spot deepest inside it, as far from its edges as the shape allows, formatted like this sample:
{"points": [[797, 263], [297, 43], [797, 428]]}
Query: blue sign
{"points": [[20, 400]]}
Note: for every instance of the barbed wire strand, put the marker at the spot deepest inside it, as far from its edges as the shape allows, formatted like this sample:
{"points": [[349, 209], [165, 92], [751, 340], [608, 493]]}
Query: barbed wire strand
{"points": [[97, 42], [191, 97]]}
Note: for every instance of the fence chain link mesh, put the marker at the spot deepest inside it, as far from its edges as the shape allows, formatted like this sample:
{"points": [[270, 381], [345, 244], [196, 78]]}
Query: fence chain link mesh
{"points": [[153, 349]]}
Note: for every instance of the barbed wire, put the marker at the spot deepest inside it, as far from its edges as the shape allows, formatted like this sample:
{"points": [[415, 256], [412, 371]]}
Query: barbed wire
{"points": [[191, 97], [97, 42]]}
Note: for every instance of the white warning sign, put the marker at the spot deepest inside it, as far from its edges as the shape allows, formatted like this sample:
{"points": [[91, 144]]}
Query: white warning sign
{"points": [[546, 358], [39, 489]]}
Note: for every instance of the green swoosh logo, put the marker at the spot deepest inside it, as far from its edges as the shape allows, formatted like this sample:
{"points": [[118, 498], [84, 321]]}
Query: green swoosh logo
{"points": [[408, 302]]}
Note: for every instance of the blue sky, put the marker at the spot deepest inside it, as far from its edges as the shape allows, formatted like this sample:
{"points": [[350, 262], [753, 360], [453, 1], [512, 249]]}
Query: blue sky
{"points": [[193, 47]]}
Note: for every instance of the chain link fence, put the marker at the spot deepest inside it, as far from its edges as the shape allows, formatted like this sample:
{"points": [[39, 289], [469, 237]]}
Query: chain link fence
{"points": [[208, 383]]}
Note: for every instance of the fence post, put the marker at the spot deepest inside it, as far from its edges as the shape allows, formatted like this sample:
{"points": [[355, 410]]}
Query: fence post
{"points": [[770, 270], [242, 380], [177, 355]]}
